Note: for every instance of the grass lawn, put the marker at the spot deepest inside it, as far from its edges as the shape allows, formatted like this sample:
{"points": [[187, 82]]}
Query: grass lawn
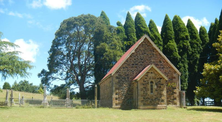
{"points": [[28, 114]]}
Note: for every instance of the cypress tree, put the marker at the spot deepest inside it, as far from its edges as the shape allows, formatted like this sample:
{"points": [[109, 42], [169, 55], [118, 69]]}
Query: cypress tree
{"points": [[169, 45], [194, 56], [130, 31], [182, 40], [104, 17], [213, 39], [156, 35], [140, 26], [120, 31], [204, 54]]}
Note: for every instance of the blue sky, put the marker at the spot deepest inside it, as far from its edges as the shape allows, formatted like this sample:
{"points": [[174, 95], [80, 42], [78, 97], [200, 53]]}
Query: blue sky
{"points": [[31, 24]]}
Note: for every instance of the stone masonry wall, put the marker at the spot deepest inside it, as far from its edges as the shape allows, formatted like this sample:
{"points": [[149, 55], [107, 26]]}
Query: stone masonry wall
{"points": [[143, 56], [158, 97], [106, 93]]}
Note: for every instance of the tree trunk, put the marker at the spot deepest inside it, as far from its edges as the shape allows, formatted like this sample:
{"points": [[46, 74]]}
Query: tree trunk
{"points": [[82, 91], [217, 103]]}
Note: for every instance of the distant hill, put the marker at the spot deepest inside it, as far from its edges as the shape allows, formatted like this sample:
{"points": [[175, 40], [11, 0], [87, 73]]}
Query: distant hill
{"points": [[25, 94]]}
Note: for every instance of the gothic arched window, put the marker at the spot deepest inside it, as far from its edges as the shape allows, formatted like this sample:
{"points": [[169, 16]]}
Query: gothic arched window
{"points": [[151, 87]]}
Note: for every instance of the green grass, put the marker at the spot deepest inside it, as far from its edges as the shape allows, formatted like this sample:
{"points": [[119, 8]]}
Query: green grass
{"points": [[28, 114], [25, 94]]}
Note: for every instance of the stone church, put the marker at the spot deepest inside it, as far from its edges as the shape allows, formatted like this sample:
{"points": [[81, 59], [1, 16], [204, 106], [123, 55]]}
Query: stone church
{"points": [[143, 78]]}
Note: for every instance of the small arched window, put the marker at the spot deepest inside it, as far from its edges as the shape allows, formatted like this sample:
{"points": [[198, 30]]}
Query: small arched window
{"points": [[151, 87]]}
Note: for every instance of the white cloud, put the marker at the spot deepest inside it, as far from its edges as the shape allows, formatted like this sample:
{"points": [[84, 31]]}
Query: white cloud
{"points": [[139, 8], [159, 28], [16, 14], [5, 39], [36, 4], [196, 22], [28, 49], [57, 4], [39, 25]]}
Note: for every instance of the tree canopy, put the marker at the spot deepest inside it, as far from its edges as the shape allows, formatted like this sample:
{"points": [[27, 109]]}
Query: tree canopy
{"points": [[6, 86], [212, 76], [130, 31], [182, 40], [169, 44], [11, 65], [71, 54], [141, 26], [193, 57], [155, 35]]}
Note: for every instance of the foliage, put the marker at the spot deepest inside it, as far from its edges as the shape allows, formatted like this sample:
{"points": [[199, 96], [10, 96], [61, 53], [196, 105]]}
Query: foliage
{"points": [[212, 77], [130, 32], [205, 53], [6, 86], [141, 26], [61, 91], [71, 56], [120, 31], [155, 35], [11, 64], [169, 44], [182, 40], [194, 56], [108, 49], [104, 17], [41, 91], [213, 39], [25, 86]]}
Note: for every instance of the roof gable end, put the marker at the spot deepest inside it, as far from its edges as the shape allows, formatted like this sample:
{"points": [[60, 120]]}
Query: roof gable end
{"points": [[130, 51], [145, 70]]}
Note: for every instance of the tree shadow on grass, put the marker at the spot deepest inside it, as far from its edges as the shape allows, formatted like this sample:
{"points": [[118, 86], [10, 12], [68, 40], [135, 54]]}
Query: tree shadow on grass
{"points": [[207, 109]]}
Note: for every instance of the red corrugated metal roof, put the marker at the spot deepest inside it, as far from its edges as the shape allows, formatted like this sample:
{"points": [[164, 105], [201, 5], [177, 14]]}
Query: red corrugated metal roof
{"points": [[143, 72]]}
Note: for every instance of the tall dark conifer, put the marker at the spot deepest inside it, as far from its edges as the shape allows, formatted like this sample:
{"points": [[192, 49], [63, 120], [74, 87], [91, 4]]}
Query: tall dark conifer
{"points": [[120, 31], [104, 17], [130, 31], [182, 39], [193, 58], [169, 45], [156, 35], [140, 26], [204, 54], [213, 39]]}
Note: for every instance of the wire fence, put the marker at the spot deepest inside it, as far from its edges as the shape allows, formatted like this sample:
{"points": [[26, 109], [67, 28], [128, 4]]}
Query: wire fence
{"points": [[63, 103]]}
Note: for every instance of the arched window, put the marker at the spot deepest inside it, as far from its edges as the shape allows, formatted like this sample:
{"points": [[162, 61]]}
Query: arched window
{"points": [[151, 87]]}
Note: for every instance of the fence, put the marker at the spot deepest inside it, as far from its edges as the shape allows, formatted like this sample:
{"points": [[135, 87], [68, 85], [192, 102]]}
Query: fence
{"points": [[63, 103], [9, 100]]}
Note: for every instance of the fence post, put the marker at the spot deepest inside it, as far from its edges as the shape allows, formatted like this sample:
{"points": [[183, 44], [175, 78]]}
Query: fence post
{"points": [[67, 97], [182, 99], [12, 99], [45, 102], [95, 96], [6, 98], [19, 100]]}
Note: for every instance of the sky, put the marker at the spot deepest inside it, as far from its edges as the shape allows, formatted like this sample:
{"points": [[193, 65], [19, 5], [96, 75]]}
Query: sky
{"points": [[31, 24]]}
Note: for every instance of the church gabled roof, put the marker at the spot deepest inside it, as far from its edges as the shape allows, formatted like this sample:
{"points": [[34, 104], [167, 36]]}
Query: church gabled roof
{"points": [[130, 51], [146, 69]]}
